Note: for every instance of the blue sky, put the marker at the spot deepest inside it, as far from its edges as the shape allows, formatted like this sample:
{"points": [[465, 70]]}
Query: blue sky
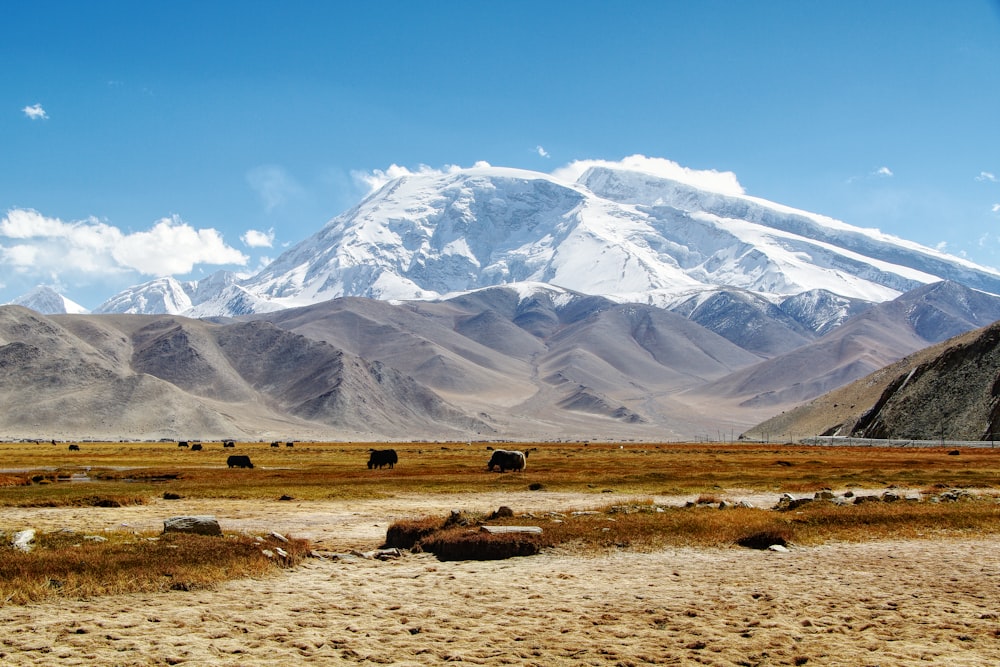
{"points": [[147, 138]]}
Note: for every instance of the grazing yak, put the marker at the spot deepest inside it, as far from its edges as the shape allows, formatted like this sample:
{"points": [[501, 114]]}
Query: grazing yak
{"points": [[239, 461], [507, 459], [182, 443], [196, 447], [74, 448], [382, 457], [228, 443]]}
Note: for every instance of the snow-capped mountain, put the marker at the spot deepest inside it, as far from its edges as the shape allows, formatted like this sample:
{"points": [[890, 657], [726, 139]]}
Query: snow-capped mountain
{"points": [[625, 234], [168, 296], [161, 296], [47, 301]]}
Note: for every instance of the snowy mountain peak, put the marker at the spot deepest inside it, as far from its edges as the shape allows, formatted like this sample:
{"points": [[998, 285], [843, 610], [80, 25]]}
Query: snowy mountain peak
{"points": [[47, 301], [159, 296], [627, 234]]}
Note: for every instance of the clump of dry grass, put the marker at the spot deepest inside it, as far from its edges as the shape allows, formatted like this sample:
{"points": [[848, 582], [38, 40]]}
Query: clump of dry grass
{"points": [[15, 480], [103, 500], [404, 534], [459, 537], [461, 543], [74, 565], [644, 526], [764, 539]]}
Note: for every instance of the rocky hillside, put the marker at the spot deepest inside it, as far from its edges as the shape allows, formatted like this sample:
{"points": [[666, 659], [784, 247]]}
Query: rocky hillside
{"points": [[950, 391]]}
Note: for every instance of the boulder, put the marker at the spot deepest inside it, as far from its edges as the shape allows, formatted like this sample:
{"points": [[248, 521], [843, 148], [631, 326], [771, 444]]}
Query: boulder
{"points": [[199, 525]]}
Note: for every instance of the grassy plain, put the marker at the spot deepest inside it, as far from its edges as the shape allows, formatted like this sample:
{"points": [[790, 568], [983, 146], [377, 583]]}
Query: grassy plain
{"points": [[110, 474], [323, 471]]}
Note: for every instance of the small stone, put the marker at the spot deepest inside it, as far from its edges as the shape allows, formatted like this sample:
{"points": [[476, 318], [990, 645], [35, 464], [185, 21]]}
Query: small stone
{"points": [[23, 539]]}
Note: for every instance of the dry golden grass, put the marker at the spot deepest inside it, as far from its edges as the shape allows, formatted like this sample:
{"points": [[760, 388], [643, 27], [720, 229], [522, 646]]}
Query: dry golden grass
{"points": [[71, 565], [644, 526], [322, 471]]}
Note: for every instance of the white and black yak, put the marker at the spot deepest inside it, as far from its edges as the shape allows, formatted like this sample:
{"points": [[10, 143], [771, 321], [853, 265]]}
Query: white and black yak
{"points": [[507, 459], [382, 457]]}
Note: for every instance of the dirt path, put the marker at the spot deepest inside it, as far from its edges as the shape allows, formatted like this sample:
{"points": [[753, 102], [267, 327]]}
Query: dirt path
{"points": [[889, 603]]}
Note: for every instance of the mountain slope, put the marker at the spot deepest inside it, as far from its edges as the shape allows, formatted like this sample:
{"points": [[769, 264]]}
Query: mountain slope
{"points": [[945, 392], [540, 361], [877, 337], [166, 376]]}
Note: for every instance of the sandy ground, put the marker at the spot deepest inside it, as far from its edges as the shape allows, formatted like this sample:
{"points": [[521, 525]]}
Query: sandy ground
{"points": [[882, 603]]}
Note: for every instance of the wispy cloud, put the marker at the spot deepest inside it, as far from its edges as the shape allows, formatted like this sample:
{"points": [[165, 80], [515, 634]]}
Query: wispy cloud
{"points": [[253, 238], [724, 182], [541, 151], [35, 112], [881, 172], [996, 208], [987, 176], [274, 185], [32, 244], [376, 178]]}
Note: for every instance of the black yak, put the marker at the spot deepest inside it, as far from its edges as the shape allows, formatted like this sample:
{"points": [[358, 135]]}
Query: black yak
{"points": [[239, 461], [382, 457]]}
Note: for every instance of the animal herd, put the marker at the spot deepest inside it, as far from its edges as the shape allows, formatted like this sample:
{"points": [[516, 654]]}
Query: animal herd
{"points": [[501, 459]]}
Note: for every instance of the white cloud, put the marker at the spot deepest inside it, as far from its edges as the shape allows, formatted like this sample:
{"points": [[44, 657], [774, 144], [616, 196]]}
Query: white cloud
{"points": [[996, 208], [50, 247], [274, 185], [724, 182], [35, 112], [376, 178], [541, 151], [253, 238], [987, 176], [883, 172], [941, 246]]}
